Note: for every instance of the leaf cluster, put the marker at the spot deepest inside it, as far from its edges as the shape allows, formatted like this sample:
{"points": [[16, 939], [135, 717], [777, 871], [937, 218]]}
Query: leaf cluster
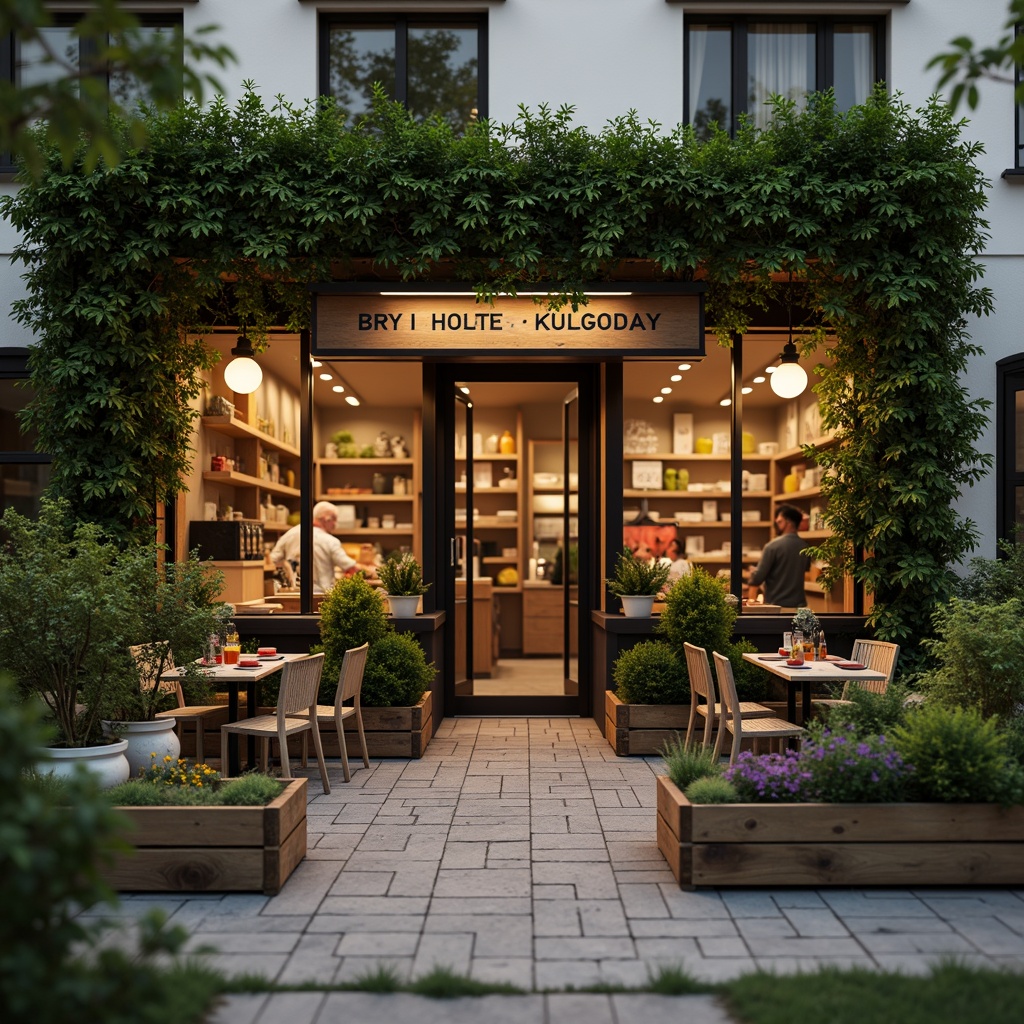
{"points": [[650, 673], [402, 575]]}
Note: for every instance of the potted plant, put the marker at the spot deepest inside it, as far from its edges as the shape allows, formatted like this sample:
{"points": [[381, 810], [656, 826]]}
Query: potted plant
{"points": [[637, 583], [402, 577], [170, 611], [807, 623], [62, 611]]}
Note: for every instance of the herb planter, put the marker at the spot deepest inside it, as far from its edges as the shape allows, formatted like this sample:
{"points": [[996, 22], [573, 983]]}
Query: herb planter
{"points": [[643, 728], [213, 849], [838, 844]]}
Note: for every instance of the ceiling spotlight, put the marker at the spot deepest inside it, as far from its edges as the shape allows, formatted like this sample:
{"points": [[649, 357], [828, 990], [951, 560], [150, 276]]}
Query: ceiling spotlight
{"points": [[684, 366], [745, 391], [759, 380], [338, 388], [316, 363], [243, 374], [327, 376], [725, 401], [351, 399], [676, 377], [464, 389], [666, 391], [657, 398], [769, 369]]}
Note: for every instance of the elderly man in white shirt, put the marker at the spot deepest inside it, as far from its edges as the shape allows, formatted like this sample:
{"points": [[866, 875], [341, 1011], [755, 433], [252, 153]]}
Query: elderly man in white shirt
{"points": [[328, 553]]}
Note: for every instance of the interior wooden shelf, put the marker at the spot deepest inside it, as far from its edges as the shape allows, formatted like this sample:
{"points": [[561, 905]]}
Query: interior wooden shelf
{"points": [[364, 462], [492, 457], [807, 492], [235, 479], [675, 457], [364, 496], [232, 427], [631, 492]]}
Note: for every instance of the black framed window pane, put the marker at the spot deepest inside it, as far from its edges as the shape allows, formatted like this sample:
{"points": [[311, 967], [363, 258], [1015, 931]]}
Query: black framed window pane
{"points": [[1018, 512], [1018, 431], [853, 56], [22, 485], [13, 399], [33, 64], [125, 89], [358, 57], [710, 70], [443, 73], [780, 60]]}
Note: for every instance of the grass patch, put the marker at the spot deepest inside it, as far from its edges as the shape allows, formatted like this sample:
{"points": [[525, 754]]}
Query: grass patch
{"points": [[248, 791], [952, 994], [444, 983]]}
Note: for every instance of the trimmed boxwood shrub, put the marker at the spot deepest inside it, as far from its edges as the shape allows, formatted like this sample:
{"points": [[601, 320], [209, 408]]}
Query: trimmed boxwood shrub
{"points": [[650, 673]]}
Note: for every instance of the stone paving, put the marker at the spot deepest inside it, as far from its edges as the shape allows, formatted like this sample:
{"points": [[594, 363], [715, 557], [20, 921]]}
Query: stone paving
{"points": [[523, 850]]}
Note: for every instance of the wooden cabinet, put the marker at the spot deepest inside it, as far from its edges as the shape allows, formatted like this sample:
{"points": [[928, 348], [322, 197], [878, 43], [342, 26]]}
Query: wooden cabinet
{"points": [[483, 628], [543, 619]]}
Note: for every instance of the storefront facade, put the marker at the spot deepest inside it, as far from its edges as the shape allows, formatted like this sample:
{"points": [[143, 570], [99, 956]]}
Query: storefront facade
{"points": [[266, 456]]}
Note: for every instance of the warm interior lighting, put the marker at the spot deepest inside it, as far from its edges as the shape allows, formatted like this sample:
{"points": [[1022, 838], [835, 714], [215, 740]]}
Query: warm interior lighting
{"points": [[684, 366], [745, 391], [351, 399], [725, 401], [243, 374], [657, 398], [327, 376], [666, 391], [676, 377], [759, 380], [338, 388], [769, 369], [316, 364]]}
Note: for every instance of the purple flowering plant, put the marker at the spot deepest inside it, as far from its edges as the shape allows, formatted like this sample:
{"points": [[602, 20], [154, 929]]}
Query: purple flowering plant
{"points": [[834, 767], [767, 778], [849, 768]]}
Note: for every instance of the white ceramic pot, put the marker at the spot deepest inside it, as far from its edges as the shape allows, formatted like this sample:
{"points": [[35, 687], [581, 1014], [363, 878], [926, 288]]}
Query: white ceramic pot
{"points": [[106, 762], [146, 738], [404, 606], [637, 606]]}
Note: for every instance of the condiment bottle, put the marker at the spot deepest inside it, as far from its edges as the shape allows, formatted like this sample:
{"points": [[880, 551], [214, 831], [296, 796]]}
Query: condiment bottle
{"points": [[822, 647], [797, 651]]}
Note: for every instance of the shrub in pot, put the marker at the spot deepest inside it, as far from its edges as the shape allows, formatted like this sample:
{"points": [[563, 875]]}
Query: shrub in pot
{"points": [[402, 577], [397, 673], [650, 673], [696, 611], [636, 577]]}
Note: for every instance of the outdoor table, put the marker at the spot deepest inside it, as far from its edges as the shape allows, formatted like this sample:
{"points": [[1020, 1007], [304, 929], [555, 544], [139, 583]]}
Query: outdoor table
{"points": [[814, 674], [232, 678]]}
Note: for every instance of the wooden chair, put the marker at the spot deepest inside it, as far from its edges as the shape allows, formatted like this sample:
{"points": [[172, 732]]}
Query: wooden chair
{"points": [[295, 713], [702, 686], [774, 729], [155, 659], [876, 655], [350, 688]]}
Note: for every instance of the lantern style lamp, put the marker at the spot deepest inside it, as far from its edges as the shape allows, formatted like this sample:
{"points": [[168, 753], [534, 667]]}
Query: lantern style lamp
{"points": [[789, 378], [243, 374]]}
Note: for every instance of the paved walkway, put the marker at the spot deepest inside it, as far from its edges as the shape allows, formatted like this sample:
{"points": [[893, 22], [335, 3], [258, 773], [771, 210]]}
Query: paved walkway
{"points": [[522, 850]]}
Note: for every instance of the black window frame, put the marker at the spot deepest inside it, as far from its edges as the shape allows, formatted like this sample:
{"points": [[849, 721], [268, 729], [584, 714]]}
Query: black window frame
{"points": [[402, 22], [1009, 381], [824, 28], [14, 366], [86, 51]]}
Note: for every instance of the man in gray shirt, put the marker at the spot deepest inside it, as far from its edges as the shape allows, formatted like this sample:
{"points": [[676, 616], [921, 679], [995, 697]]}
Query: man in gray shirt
{"points": [[783, 563]]}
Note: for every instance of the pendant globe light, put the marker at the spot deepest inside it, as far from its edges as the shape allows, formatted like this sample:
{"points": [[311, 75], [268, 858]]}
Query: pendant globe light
{"points": [[789, 378], [243, 374]]}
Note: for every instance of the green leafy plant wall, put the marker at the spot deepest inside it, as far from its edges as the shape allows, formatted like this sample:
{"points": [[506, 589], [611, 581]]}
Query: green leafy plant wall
{"points": [[229, 213]]}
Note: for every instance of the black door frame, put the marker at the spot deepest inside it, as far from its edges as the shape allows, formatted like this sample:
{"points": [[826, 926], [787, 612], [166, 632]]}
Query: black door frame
{"points": [[439, 512]]}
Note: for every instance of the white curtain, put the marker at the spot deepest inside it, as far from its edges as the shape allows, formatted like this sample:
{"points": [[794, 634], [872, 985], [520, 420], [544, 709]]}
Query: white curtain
{"points": [[780, 59], [697, 56], [860, 43]]}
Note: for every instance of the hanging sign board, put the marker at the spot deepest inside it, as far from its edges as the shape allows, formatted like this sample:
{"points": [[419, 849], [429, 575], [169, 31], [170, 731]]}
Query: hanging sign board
{"points": [[658, 324]]}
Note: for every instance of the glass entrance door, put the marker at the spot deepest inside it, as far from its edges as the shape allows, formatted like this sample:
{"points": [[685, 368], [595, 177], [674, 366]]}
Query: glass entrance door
{"points": [[514, 440]]}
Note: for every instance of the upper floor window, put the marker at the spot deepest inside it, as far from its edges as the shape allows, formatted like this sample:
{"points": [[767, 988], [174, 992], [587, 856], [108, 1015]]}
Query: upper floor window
{"points": [[434, 65], [734, 66]]}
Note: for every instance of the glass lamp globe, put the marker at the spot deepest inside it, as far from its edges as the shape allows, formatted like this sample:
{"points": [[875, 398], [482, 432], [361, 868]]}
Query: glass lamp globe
{"points": [[789, 380], [243, 375]]}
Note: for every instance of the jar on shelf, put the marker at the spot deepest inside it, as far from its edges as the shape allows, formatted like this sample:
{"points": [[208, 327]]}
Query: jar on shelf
{"points": [[670, 479], [507, 443]]}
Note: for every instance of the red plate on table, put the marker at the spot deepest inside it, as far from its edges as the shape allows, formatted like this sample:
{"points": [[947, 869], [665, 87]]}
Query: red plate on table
{"points": [[852, 665]]}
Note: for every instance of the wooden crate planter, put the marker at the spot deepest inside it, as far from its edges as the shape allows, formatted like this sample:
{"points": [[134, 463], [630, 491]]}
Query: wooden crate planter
{"points": [[838, 844], [643, 728], [213, 849]]}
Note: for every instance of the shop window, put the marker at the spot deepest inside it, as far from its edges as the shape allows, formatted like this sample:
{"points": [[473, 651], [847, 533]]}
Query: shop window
{"points": [[1018, 162], [24, 472], [435, 65], [1010, 447], [734, 65], [35, 62]]}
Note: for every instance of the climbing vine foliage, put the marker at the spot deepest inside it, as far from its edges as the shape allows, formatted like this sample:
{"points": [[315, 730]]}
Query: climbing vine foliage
{"points": [[229, 213]]}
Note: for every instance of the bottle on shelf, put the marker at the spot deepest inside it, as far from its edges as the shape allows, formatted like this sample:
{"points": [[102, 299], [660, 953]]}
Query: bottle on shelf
{"points": [[507, 443]]}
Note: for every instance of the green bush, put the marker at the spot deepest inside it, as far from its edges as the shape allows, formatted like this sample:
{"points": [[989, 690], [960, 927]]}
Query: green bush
{"points": [[352, 614], [979, 649], [397, 673], [650, 673], [686, 764], [712, 789], [252, 790], [994, 580], [636, 577], [868, 714], [957, 755], [696, 612], [402, 575]]}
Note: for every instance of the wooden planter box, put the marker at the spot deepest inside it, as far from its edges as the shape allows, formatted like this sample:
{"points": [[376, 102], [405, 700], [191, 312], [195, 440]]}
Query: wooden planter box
{"points": [[213, 849], [642, 728], [839, 844]]}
